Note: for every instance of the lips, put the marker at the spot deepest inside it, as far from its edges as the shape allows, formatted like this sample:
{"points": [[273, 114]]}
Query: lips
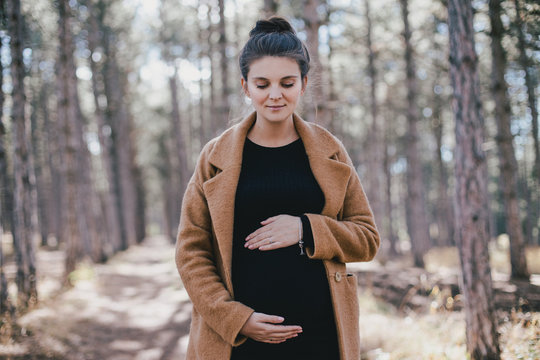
{"points": [[275, 107]]}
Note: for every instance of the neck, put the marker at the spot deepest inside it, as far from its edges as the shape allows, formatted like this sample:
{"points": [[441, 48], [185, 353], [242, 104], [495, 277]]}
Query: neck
{"points": [[273, 134]]}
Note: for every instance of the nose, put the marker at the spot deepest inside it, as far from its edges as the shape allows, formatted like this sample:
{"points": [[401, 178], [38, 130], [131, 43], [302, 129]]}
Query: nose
{"points": [[275, 93]]}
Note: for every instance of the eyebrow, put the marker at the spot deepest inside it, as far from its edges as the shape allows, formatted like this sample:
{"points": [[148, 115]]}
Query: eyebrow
{"points": [[283, 78]]}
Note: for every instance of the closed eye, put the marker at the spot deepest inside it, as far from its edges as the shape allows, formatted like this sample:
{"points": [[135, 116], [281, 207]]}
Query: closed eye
{"points": [[288, 85]]}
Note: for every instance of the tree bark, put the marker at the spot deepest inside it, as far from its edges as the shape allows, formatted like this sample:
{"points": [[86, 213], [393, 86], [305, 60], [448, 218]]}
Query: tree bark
{"points": [[507, 159], [471, 191], [23, 224], [417, 220]]}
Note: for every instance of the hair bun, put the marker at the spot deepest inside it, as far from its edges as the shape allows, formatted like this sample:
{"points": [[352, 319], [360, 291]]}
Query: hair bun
{"points": [[274, 24]]}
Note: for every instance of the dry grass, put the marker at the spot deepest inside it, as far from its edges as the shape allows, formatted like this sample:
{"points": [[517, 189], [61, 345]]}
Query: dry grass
{"points": [[389, 335], [448, 258]]}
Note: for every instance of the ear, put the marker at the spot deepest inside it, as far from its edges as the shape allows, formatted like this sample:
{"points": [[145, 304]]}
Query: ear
{"points": [[304, 85], [244, 86]]}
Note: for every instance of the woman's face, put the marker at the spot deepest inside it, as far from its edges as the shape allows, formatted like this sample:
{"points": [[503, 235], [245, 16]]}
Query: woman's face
{"points": [[274, 85]]}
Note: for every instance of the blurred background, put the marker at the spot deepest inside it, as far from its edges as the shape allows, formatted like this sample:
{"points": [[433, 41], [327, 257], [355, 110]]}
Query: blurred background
{"points": [[106, 104]]}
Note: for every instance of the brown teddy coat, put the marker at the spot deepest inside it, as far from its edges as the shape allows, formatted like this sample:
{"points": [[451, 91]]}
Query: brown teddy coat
{"points": [[344, 232]]}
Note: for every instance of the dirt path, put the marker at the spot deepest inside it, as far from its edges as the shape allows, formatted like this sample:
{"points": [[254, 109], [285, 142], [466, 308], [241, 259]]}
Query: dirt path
{"points": [[132, 308]]}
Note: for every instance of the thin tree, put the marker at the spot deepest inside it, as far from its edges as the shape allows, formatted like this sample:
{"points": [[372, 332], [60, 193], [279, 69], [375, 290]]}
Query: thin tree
{"points": [[416, 212], [471, 191], [110, 200], [67, 115], [180, 153], [6, 308], [531, 83], [23, 224], [313, 22], [224, 110], [120, 123], [507, 158], [444, 211], [374, 141]]}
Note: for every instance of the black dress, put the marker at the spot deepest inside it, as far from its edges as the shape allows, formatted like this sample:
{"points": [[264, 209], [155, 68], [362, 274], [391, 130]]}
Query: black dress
{"points": [[282, 282]]}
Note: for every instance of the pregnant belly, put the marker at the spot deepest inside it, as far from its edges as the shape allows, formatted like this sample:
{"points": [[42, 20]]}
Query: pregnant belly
{"points": [[283, 283]]}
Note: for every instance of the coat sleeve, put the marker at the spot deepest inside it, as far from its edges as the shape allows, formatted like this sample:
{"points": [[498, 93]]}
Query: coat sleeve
{"points": [[196, 263], [353, 236]]}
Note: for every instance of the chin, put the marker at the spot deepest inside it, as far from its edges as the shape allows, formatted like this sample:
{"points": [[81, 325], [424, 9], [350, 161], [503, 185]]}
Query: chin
{"points": [[277, 117]]}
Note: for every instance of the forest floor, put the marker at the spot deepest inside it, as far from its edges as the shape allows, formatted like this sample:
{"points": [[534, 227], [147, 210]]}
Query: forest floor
{"points": [[135, 308]]}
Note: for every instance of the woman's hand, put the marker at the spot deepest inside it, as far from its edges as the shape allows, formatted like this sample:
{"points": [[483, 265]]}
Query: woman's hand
{"points": [[277, 232], [265, 328]]}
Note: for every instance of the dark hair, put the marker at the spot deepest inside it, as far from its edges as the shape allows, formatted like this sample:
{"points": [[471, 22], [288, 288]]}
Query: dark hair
{"points": [[274, 37]]}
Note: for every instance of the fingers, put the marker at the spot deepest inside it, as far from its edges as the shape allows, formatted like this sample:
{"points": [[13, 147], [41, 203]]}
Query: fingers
{"points": [[263, 238], [277, 232], [272, 319], [268, 328], [269, 220]]}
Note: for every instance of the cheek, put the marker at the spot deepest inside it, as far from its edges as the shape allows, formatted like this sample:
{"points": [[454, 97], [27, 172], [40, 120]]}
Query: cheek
{"points": [[257, 96], [293, 94]]}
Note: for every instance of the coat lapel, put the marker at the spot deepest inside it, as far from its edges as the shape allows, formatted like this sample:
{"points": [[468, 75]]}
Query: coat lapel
{"points": [[220, 190], [332, 175], [321, 148]]}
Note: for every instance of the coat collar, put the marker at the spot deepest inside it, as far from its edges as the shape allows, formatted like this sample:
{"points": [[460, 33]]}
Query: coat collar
{"points": [[227, 151]]}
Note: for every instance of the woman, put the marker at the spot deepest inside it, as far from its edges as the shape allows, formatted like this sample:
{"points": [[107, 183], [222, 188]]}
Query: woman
{"points": [[271, 215]]}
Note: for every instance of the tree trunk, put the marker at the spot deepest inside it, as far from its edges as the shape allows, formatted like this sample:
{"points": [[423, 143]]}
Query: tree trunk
{"points": [[531, 84], [224, 109], [6, 309], [39, 103], [374, 142], [445, 214], [110, 200], [471, 191], [6, 195], [67, 116], [170, 203], [122, 152], [54, 156], [180, 146], [316, 111], [203, 40], [507, 158], [387, 222], [23, 224], [417, 221]]}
